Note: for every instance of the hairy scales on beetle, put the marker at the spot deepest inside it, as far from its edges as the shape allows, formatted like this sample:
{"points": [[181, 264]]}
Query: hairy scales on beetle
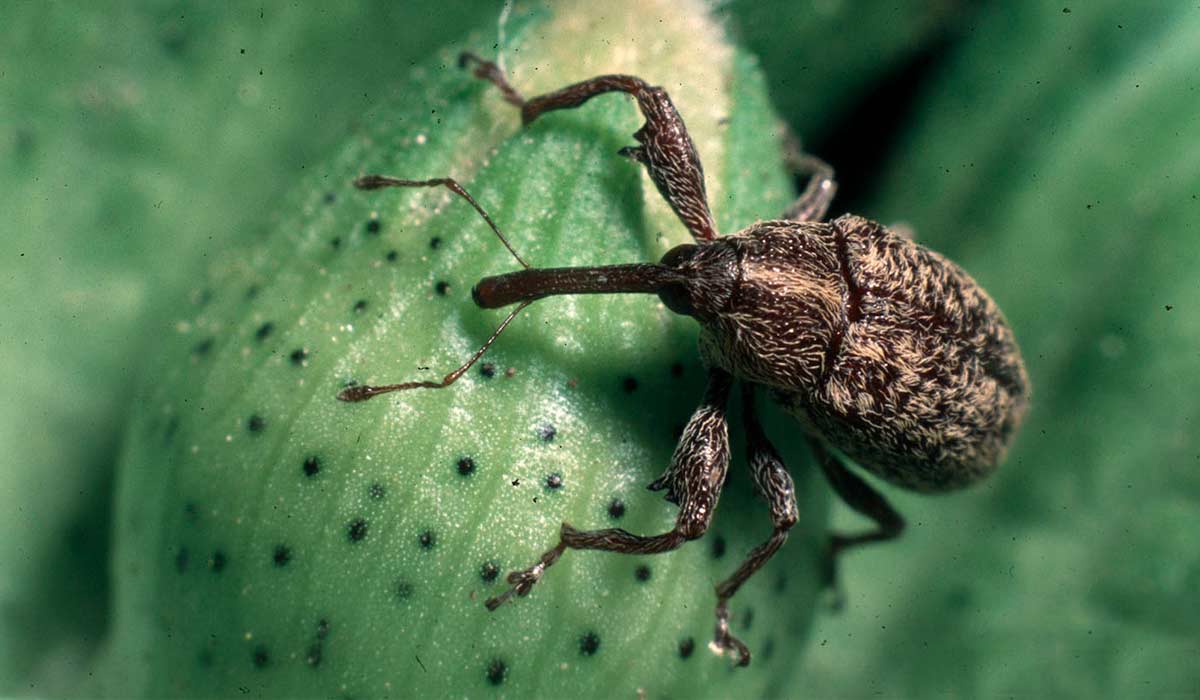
{"points": [[877, 346]]}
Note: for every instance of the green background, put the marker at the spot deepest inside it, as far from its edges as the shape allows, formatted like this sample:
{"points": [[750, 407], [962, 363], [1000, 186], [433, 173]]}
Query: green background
{"points": [[1048, 149]]}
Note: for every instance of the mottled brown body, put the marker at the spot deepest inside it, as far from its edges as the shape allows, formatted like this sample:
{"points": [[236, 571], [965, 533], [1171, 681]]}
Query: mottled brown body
{"points": [[880, 348]]}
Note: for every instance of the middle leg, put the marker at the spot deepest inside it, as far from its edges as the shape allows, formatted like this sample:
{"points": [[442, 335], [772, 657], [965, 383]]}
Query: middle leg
{"points": [[693, 480], [774, 484]]}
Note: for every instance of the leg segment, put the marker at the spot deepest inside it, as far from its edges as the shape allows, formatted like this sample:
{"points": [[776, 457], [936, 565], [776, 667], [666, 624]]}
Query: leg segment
{"points": [[813, 203], [863, 499], [774, 484], [667, 151], [693, 480]]}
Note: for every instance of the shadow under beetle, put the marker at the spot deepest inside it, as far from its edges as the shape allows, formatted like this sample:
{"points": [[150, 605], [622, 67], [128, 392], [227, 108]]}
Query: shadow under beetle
{"points": [[878, 347]]}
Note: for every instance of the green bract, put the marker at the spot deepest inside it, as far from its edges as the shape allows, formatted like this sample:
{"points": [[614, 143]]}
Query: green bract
{"points": [[272, 539]]}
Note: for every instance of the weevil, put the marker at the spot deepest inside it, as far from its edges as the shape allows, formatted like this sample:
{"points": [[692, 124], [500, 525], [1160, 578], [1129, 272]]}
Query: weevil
{"points": [[882, 350]]}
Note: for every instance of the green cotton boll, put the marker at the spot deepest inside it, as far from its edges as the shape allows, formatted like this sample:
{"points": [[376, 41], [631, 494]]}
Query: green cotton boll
{"points": [[1056, 159], [273, 540], [138, 139]]}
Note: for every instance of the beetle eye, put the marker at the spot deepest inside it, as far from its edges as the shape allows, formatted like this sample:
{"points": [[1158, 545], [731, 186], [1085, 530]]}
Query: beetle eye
{"points": [[677, 298], [678, 255]]}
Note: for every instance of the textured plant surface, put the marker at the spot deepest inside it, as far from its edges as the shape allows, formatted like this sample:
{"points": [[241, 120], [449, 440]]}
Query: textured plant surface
{"points": [[1052, 157], [136, 140]]}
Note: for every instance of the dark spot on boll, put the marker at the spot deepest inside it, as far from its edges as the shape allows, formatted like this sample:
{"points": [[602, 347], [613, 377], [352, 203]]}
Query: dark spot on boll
{"points": [[496, 671], [181, 560], [252, 292], [203, 347], [357, 530], [781, 583], [264, 331], [435, 243], [191, 512], [312, 466], [260, 657], [217, 561], [442, 287], [677, 369], [488, 370], [391, 256], [282, 555], [554, 481], [642, 573], [768, 650], [329, 197], [589, 643], [427, 539], [298, 357], [718, 547], [748, 619], [313, 656], [516, 482], [171, 429], [377, 491], [205, 658], [374, 225], [547, 432], [466, 466], [256, 424], [686, 647], [360, 306], [174, 39], [616, 509], [403, 590], [336, 242], [489, 571], [958, 598], [629, 384], [322, 628]]}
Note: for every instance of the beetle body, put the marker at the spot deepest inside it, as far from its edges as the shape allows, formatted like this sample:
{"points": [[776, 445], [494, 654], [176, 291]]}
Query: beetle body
{"points": [[880, 348], [876, 345]]}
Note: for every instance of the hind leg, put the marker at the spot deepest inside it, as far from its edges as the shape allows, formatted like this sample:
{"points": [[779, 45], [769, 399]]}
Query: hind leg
{"points": [[865, 500]]}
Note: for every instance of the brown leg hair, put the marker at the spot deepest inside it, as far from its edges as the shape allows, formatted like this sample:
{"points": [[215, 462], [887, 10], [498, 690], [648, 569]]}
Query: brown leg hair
{"points": [[774, 484], [693, 480], [864, 500], [667, 151]]}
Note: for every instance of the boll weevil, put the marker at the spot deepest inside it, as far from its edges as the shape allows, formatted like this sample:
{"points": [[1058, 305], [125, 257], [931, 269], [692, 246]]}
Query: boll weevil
{"points": [[881, 349]]}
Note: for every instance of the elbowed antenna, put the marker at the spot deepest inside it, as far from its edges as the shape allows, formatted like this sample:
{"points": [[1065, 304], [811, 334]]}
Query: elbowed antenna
{"points": [[536, 283]]}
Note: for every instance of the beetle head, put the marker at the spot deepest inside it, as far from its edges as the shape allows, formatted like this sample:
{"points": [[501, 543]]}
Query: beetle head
{"points": [[707, 275]]}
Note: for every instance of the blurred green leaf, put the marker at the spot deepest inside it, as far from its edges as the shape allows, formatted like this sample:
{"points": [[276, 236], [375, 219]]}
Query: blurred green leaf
{"points": [[1056, 159], [820, 57]]}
